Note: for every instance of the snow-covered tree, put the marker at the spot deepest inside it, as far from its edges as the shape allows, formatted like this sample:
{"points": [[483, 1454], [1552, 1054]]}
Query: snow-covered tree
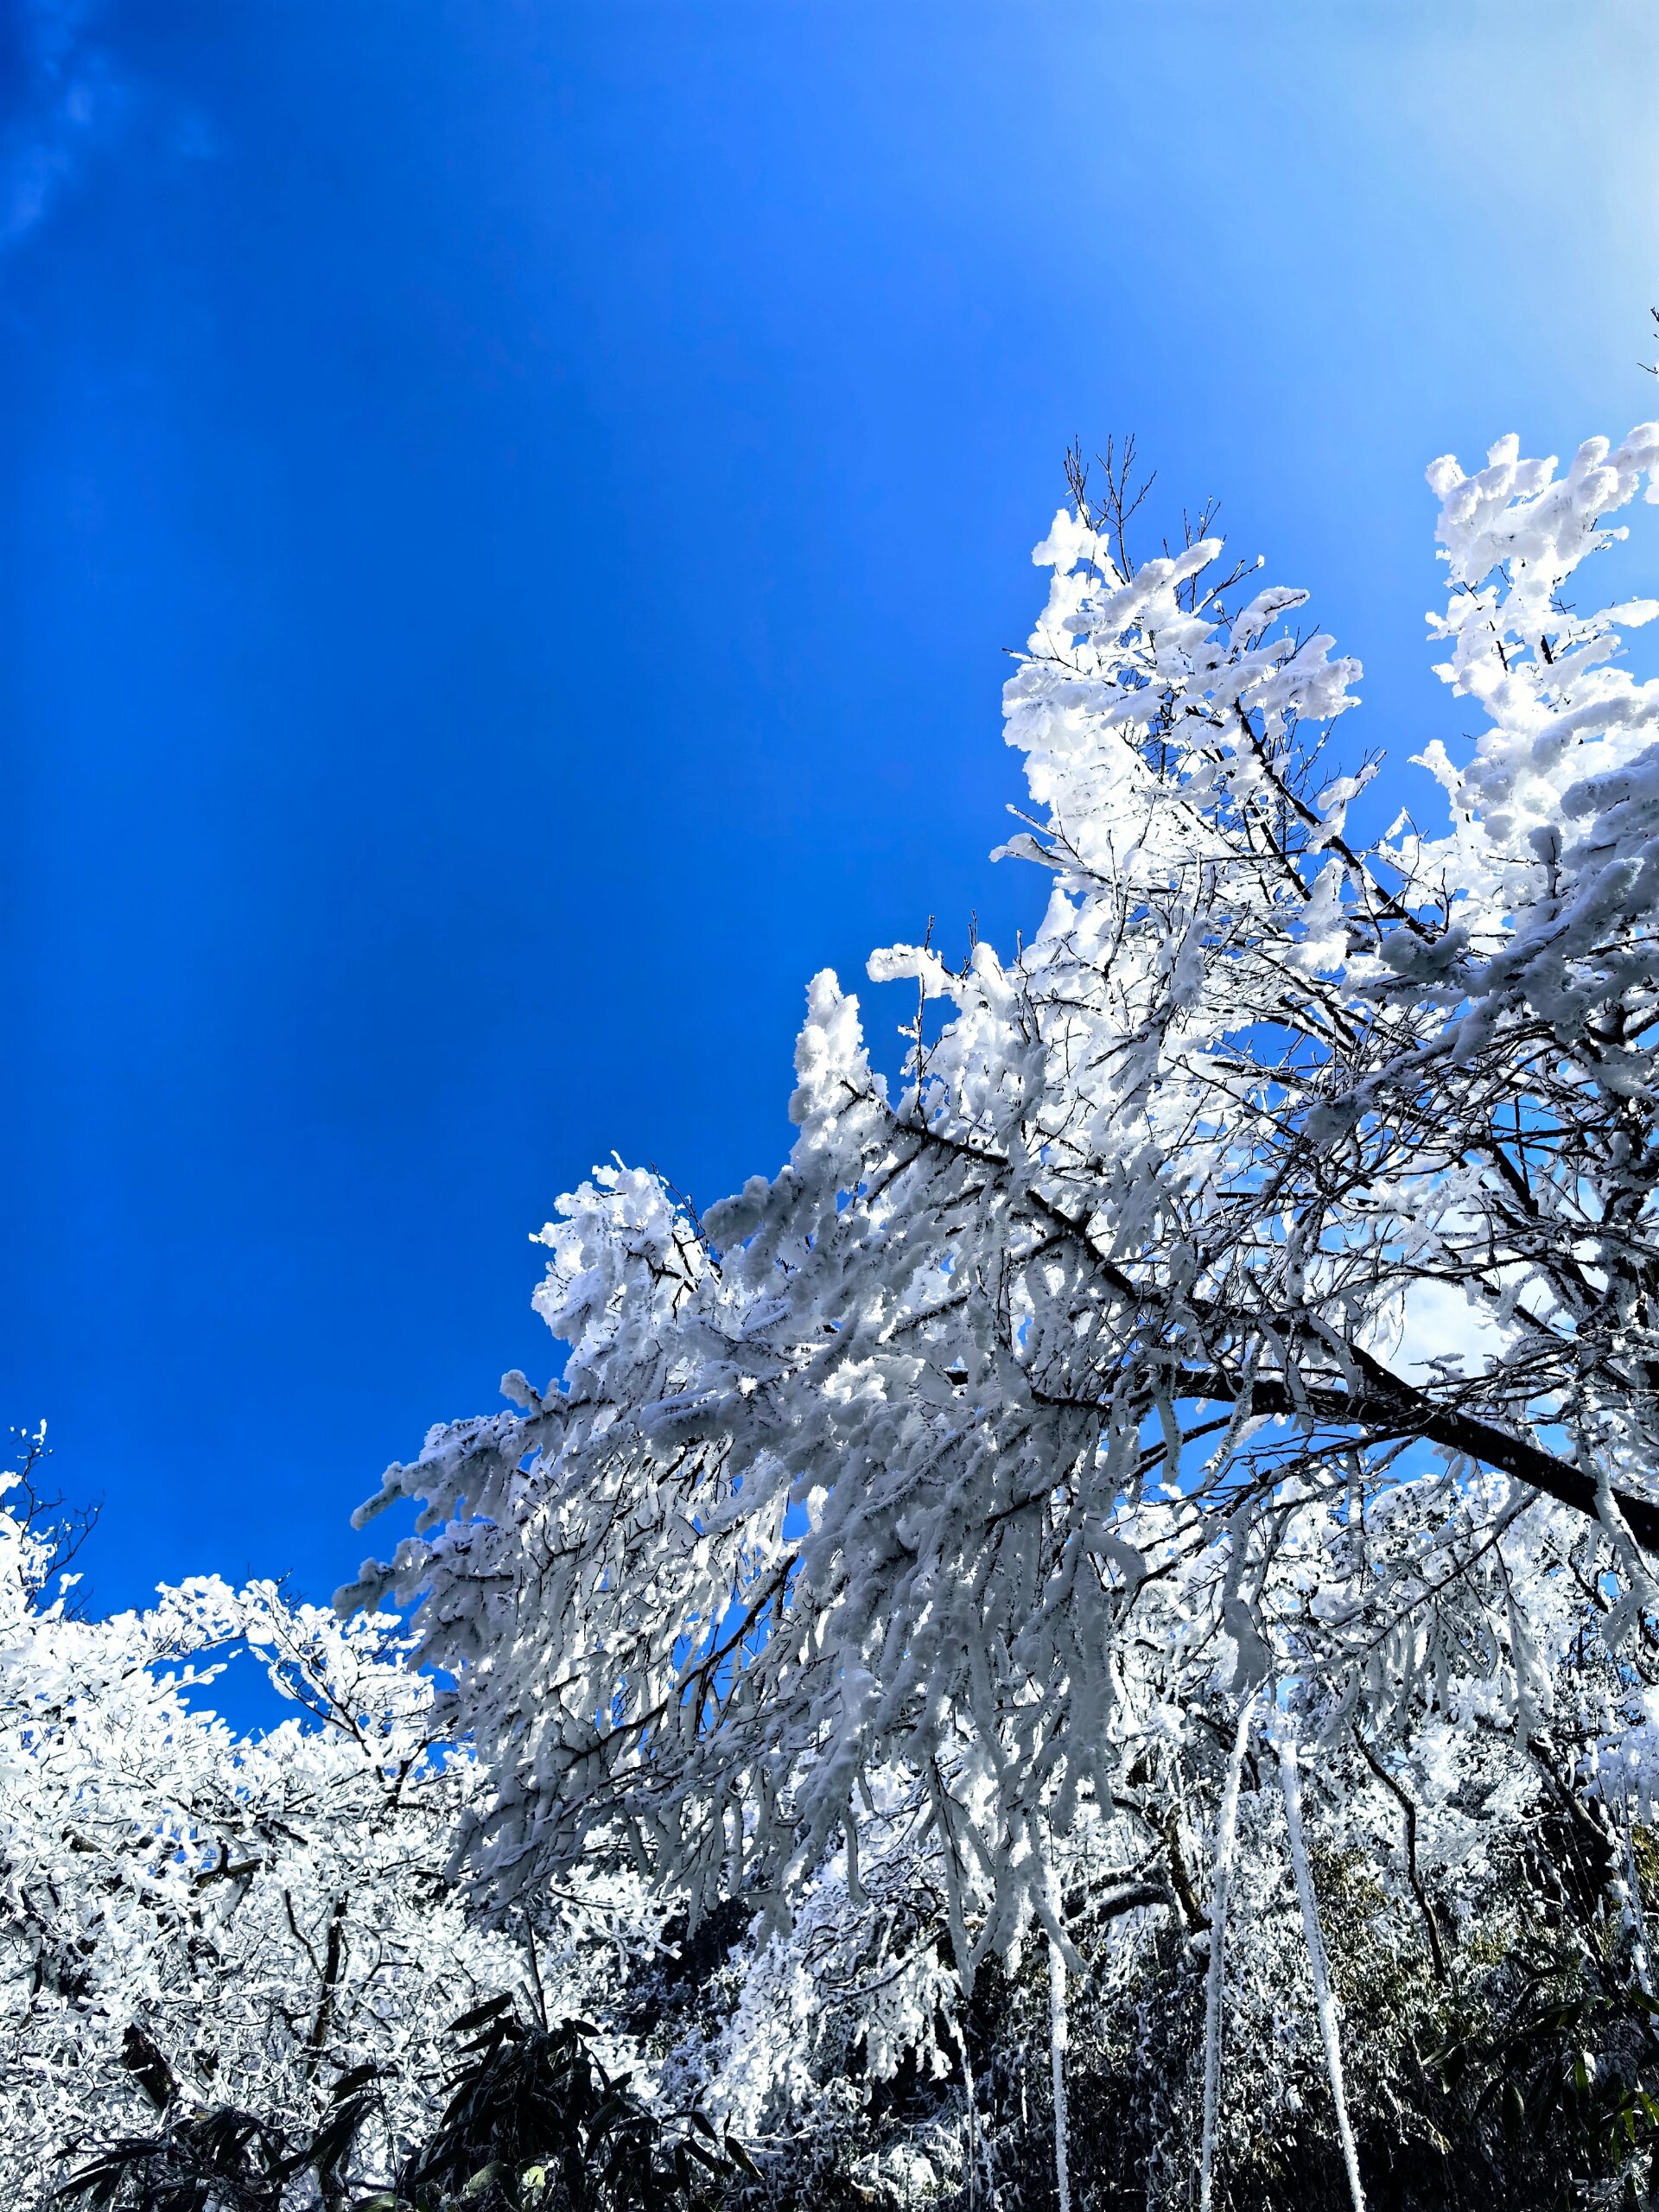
{"points": [[196, 1920], [1115, 1275], [1049, 1457], [1107, 1605]]}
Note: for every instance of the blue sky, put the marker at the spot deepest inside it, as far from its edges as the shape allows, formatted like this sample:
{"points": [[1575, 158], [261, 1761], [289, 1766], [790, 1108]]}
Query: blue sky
{"points": [[514, 513]]}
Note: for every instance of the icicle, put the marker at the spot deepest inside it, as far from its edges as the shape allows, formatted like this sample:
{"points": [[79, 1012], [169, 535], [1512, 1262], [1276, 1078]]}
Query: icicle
{"points": [[972, 2095], [1324, 2001], [1057, 2042], [1225, 1828]]}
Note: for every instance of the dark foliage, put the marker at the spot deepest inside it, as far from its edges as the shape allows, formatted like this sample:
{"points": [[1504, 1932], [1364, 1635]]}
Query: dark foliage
{"points": [[534, 2110], [532, 2123], [679, 1975], [224, 2159]]}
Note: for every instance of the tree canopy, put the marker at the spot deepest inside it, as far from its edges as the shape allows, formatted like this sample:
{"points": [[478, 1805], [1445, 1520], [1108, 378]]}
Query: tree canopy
{"points": [[1132, 1550], [1057, 1393]]}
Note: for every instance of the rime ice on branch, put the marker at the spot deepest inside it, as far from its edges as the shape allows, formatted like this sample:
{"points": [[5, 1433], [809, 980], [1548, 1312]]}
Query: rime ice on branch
{"points": [[977, 1465]]}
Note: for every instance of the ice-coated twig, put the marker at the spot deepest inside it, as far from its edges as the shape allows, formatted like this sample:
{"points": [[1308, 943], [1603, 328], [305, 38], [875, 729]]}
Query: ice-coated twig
{"points": [[1057, 2045], [1226, 1830], [1324, 1999]]}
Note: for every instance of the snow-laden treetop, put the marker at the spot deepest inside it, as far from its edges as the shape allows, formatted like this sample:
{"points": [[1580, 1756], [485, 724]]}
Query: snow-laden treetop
{"points": [[1037, 1415]]}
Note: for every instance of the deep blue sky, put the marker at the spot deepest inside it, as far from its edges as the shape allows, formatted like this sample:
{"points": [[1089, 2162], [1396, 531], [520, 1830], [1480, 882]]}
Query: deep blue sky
{"points": [[513, 511]]}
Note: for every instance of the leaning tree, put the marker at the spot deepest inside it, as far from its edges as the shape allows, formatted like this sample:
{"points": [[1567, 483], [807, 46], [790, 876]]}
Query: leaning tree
{"points": [[1242, 1313]]}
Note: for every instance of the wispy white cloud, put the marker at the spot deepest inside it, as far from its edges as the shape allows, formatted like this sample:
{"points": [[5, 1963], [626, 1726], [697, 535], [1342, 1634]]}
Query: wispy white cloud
{"points": [[66, 101], [1436, 1322]]}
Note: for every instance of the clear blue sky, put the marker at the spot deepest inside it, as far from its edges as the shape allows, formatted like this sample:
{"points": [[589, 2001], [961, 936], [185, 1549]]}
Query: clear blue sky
{"points": [[513, 514]]}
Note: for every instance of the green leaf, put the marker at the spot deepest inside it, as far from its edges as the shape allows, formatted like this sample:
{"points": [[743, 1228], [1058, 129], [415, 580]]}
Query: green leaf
{"points": [[738, 2153]]}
